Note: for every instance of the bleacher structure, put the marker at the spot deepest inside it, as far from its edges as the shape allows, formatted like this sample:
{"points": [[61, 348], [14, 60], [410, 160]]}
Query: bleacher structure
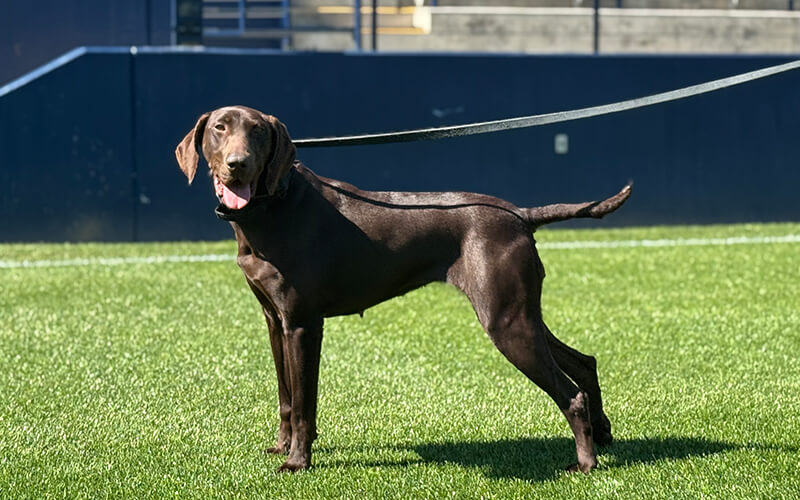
{"points": [[530, 26]]}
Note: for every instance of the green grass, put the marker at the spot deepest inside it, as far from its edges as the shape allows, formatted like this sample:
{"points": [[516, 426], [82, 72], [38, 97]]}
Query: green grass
{"points": [[156, 380]]}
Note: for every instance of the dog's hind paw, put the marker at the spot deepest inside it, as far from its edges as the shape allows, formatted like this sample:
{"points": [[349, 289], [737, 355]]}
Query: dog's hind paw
{"points": [[601, 432], [602, 438]]}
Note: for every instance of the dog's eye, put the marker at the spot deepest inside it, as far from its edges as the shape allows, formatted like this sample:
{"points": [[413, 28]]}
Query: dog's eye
{"points": [[220, 127]]}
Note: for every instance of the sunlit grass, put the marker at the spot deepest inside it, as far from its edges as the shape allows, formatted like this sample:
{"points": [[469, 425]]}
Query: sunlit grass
{"points": [[156, 380]]}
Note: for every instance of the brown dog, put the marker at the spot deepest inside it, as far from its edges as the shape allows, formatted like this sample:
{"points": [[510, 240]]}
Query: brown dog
{"points": [[312, 248]]}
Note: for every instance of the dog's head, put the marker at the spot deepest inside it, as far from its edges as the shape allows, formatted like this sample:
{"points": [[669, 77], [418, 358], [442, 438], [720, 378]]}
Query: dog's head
{"points": [[247, 152]]}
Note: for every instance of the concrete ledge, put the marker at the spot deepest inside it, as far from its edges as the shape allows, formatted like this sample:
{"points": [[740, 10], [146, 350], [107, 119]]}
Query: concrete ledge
{"points": [[568, 30], [627, 4], [702, 13], [571, 30], [709, 31]]}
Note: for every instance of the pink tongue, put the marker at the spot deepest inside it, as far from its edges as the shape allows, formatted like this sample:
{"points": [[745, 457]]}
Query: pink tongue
{"points": [[236, 197]]}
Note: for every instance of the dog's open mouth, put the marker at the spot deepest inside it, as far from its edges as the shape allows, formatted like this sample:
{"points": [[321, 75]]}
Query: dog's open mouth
{"points": [[236, 196]]}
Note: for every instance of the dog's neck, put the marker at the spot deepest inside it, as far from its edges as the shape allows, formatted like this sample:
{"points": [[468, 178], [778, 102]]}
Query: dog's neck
{"points": [[283, 184]]}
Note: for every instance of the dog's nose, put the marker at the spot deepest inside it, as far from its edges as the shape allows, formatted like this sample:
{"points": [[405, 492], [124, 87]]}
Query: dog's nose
{"points": [[236, 161]]}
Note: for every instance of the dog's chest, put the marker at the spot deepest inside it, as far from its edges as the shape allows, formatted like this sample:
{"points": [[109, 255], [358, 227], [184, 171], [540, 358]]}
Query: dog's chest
{"points": [[259, 271]]}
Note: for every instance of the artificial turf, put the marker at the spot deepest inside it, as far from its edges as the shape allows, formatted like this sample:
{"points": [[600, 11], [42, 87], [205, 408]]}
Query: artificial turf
{"points": [[156, 379]]}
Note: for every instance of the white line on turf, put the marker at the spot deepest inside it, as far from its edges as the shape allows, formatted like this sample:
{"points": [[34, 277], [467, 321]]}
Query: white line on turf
{"points": [[551, 245], [680, 242], [115, 261]]}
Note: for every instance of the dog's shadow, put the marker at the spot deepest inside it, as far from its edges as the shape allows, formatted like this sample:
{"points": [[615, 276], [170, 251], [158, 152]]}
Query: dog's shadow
{"points": [[543, 459]]}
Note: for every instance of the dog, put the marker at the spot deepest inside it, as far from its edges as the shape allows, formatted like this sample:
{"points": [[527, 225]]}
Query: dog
{"points": [[312, 248]]}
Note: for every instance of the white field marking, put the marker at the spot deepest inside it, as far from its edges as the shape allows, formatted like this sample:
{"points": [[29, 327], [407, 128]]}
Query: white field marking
{"points": [[679, 242], [115, 261], [551, 245]]}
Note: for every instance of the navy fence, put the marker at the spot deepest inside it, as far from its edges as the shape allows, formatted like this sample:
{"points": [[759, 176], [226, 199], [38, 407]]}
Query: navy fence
{"points": [[34, 32], [86, 146]]}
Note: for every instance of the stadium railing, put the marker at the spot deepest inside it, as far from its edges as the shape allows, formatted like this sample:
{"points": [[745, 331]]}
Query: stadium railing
{"points": [[242, 20], [259, 22]]}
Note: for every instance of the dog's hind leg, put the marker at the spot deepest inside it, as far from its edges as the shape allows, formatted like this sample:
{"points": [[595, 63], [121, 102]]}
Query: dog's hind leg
{"points": [[583, 370], [504, 287], [524, 344]]}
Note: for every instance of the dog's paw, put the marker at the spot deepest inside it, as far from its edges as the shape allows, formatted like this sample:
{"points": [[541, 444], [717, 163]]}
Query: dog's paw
{"points": [[581, 468], [601, 432], [293, 466], [277, 450], [282, 445], [602, 438]]}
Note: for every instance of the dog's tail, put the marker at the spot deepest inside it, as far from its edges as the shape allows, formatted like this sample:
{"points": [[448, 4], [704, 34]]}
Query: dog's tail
{"points": [[539, 216]]}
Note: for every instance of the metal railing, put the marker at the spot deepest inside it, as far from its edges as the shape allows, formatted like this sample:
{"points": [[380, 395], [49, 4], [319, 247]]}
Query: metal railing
{"points": [[271, 19], [246, 19], [260, 19], [223, 22]]}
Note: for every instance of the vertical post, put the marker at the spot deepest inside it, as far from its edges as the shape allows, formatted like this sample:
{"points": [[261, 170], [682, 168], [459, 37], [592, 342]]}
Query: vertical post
{"points": [[596, 26], [374, 25], [135, 195], [242, 16], [188, 22], [285, 23], [791, 4], [148, 17], [357, 24], [619, 4]]}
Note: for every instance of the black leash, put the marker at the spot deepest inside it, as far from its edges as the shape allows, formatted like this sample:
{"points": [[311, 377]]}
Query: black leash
{"points": [[544, 119]]}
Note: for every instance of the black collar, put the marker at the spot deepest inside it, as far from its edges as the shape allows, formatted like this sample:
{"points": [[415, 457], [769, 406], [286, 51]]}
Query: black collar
{"points": [[256, 202]]}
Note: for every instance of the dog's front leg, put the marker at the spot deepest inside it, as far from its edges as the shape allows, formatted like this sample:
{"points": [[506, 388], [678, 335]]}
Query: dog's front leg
{"points": [[303, 344], [276, 339]]}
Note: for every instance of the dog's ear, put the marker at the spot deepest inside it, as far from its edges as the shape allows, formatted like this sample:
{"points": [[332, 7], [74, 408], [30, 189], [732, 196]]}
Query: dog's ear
{"points": [[282, 156], [187, 151]]}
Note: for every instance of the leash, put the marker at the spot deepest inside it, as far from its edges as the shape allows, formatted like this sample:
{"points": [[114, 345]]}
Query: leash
{"points": [[547, 118]]}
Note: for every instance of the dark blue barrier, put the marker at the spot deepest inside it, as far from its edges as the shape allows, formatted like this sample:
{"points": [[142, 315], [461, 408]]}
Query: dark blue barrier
{"points": [[729, 156], [34, 32], [65, 153]]}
